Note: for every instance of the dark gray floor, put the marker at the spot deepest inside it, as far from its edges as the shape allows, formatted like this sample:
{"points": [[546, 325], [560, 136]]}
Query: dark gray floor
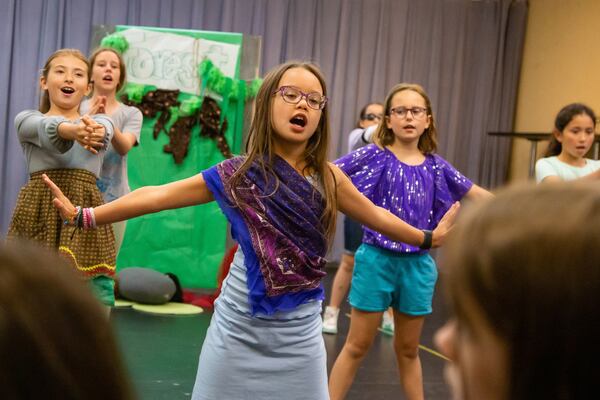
{"points": [[161, 353]]}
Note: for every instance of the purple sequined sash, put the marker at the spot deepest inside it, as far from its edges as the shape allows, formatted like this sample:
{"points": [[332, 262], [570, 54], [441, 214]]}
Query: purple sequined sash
{"points": [[283, 221]]}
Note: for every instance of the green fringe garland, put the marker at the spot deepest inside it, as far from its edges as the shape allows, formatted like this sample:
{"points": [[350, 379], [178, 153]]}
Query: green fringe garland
{"points": [[190, 106], [187, 108], [228, 88], [115, 41], [135, 92]]}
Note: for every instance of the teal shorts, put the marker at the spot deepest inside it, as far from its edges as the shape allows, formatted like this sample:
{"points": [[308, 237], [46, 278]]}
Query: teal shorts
{"points": [[104, 289], [384, 278]]}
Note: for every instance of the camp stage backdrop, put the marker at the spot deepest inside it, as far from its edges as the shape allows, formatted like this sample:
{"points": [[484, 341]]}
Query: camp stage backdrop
{"points": [[188, 242]]}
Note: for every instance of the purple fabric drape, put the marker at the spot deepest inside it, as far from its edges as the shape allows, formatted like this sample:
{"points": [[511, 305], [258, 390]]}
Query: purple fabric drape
{"points": [[277, 221]]}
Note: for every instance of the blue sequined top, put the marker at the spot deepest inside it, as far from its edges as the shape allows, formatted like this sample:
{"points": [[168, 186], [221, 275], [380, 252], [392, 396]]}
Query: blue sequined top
{"points": [[418, 194]]}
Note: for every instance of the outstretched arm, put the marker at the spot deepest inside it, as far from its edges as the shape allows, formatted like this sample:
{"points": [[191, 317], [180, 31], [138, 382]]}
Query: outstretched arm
{"points": [[123, 141], [547, 172], [477, 193], [354, 204], [592, 176], [145, 200]]}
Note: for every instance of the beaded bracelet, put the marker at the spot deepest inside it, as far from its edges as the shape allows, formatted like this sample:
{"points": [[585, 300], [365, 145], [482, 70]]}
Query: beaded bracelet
{"points": [[89, 221], [82, 218], [92, 218], [79, 218], [71, 220]]}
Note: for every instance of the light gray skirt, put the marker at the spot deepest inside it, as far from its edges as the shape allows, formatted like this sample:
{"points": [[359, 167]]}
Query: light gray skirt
{"points": [[249, 358]]}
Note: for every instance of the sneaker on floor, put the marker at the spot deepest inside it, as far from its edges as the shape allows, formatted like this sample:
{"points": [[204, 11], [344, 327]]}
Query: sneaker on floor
{"points": [[387, 324], [330, 320]]}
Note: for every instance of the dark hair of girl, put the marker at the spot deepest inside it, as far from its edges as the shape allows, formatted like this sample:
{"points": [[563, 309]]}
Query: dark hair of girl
{"points": [[564, 116]]}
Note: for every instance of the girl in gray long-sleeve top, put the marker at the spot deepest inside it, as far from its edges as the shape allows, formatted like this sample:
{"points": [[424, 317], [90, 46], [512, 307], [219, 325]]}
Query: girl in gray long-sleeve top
{"points": [[109, 75], [58, 142]]}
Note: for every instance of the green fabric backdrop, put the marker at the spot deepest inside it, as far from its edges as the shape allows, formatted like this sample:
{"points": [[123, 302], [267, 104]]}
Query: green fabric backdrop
{"points": [[188, 242]]}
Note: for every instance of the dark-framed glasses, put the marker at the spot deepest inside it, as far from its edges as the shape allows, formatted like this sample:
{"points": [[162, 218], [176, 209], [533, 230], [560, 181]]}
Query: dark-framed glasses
{"points": [[416, 112], [293, 95], [373, 117]]}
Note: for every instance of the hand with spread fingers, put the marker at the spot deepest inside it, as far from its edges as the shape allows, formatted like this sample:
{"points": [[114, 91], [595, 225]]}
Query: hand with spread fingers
{"points": [[445, 225], [87, 132], [91, 135], [64, 206], [98, 105]]}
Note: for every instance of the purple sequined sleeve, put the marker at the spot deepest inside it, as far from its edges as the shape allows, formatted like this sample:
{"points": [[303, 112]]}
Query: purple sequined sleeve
{"points": [[451, 186], [364, 167]]}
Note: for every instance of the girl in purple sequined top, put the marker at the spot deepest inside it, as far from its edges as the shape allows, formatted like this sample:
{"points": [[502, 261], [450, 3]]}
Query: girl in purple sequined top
{"points": [[402, 174]]}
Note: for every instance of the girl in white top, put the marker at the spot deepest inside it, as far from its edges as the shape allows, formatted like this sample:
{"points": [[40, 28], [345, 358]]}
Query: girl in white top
{"points": [[573, 136], [108, 77], [370, 115]]}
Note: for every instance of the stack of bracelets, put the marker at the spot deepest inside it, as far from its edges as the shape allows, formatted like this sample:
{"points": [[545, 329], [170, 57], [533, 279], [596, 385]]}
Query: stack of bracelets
{"points": [[83, 218]]}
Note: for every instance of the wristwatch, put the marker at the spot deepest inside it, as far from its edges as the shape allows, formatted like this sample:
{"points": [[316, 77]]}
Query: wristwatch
{"points": [[427, 241]]}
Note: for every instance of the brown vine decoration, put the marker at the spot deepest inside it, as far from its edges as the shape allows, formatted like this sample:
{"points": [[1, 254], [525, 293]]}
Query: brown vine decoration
{"points": [[164, 103]]}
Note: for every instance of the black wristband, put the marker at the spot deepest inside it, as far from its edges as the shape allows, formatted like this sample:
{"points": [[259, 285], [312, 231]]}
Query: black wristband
{"points": [[79, 218], [428, 240]]}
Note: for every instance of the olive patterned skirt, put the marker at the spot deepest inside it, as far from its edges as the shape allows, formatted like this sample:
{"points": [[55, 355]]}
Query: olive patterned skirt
{"points": [[92, 252]]}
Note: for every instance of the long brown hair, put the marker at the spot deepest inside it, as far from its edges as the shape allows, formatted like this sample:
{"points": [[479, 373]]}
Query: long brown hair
{"points": [[53, 329], [528, 261], [564, 116], [259, 145], [122, 68], [428, 140], [45, 98]]}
